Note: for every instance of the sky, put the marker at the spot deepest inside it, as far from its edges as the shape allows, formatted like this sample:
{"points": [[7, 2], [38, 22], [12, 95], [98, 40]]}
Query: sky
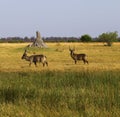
{"points": [[58, 18]]}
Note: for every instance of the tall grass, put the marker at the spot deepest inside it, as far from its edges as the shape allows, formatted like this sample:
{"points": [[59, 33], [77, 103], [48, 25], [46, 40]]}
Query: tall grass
{"points": [[62, 89], [56, 93]]}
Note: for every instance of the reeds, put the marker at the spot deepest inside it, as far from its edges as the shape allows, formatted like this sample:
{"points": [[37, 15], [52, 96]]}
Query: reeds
{"points": [[80, 93]]}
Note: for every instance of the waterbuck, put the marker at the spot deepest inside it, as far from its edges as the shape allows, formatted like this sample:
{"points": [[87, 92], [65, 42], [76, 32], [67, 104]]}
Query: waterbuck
{"points": [[77, 57], [35, 58]]}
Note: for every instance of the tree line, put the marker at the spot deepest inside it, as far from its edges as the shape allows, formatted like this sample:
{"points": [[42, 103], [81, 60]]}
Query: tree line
{"points": [[108, 38]]}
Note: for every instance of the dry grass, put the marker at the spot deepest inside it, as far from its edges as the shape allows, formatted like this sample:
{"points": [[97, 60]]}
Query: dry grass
{"points": [[100, 57]]}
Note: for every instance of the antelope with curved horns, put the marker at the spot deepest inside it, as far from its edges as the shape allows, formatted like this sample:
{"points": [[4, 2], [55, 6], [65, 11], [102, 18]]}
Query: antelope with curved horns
{"points": [[77, 57], [35, 58]]}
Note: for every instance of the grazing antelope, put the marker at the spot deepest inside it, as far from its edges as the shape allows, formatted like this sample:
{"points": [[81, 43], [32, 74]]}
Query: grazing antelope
{"points": [[77, 57], [35, 58]]}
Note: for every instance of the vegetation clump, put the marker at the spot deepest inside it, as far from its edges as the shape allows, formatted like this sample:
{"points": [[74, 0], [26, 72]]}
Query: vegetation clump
{"points": [[108, 38]]}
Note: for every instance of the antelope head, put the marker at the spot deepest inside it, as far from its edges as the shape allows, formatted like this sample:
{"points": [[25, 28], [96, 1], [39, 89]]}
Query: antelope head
{"points": [[24, 55], [71, 50]]}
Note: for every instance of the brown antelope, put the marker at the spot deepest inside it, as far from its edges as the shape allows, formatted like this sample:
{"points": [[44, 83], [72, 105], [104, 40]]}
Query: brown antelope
{"points": [[35, 58], [77, 57]]}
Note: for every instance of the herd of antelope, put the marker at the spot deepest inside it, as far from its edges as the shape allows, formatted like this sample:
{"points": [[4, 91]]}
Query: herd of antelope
{"points": [[43, 59]]}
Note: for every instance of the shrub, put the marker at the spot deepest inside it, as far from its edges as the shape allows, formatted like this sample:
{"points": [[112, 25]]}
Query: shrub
{"points": [[86, 38]]}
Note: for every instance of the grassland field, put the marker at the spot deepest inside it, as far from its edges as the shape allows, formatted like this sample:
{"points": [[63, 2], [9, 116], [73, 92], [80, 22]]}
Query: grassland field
{"points": [[62, 89]]}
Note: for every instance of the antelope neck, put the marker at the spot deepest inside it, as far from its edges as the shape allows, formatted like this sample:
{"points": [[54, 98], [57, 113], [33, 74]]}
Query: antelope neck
{"points": [[27, 58]]}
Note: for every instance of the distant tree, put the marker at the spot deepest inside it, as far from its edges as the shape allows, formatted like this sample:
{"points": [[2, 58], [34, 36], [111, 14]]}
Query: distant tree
{"points": [[108, 37], [119, 39], [86, 38]]}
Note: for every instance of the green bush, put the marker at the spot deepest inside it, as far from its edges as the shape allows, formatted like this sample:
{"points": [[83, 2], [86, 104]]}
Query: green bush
{"points": [[86, 38], [108, 38]]}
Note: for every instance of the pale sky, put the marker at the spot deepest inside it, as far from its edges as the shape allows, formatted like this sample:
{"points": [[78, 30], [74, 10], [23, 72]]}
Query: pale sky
{"points": [[58, 17]]}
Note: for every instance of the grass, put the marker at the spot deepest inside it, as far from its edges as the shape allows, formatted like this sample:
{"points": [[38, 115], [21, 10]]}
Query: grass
{"points": [[63, 89], [61, 93], [100, 57]]}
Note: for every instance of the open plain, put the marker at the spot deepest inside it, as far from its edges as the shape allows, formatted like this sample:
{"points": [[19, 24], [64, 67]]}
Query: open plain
{"points": [[63, 89]]}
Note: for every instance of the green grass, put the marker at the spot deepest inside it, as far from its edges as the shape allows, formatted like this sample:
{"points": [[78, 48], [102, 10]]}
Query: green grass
{"points": [[62, 89], [56, 93]]}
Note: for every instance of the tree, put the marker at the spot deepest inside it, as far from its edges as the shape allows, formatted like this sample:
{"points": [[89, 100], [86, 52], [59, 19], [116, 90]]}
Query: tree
{"points": [[108, 37], [86, 38]]}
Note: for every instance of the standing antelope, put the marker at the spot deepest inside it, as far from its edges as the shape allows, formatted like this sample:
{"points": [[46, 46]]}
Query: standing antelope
{"points": [[35, 58], [77, 57]]}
